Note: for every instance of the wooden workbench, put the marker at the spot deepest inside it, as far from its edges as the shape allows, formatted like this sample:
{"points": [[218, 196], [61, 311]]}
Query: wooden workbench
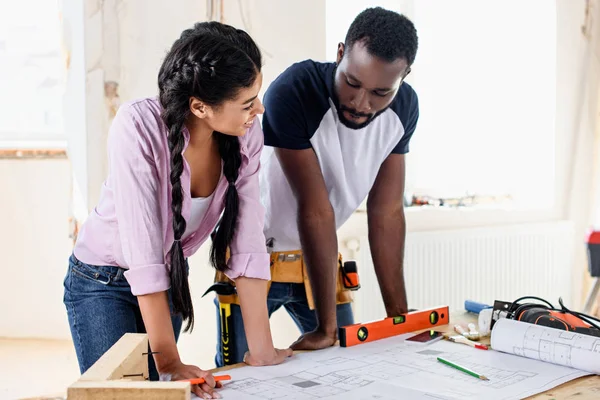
{"points": [[585, 388], [105, 379]]}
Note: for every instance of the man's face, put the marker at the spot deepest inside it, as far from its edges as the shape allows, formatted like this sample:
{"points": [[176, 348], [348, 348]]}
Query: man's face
{"points": [[365, 85]]}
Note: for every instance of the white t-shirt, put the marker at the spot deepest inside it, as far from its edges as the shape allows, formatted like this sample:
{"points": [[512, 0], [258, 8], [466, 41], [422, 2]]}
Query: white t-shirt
{"points": [[301, 113], [198, 211]]}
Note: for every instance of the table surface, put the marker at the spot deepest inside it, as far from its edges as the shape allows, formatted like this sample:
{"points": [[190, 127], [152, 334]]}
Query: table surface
{"points": [[585, 388]]}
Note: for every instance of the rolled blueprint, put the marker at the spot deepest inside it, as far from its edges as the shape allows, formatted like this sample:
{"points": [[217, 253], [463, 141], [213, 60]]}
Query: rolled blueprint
{"points": [[547, 344]]}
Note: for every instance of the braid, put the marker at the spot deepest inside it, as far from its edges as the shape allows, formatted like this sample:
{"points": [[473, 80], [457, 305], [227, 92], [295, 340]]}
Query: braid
{"points": [[176, 143], [210, 62], [182, 300], [229, 149]]}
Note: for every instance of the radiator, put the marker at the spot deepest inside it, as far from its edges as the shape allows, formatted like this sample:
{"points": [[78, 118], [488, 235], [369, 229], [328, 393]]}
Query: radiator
{"points": [[482, 264]]}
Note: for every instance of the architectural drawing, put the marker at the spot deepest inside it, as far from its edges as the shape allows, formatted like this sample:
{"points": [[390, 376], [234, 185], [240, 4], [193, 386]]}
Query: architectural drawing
{"points": [[392, 369], [549, 345]]}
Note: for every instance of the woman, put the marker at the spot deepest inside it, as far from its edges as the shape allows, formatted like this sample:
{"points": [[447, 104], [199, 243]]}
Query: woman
{"points": [[176, 163]]}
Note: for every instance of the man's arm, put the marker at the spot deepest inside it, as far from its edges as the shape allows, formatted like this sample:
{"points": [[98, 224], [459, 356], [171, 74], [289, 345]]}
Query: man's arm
{"points": [[387, 232], [316, 225]]}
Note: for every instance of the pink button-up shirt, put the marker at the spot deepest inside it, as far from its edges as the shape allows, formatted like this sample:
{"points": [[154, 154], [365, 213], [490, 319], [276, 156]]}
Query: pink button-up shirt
{"points": [[131, 227]]}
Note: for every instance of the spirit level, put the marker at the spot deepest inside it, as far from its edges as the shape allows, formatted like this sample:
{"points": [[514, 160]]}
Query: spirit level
{"points": [[351, 335]]}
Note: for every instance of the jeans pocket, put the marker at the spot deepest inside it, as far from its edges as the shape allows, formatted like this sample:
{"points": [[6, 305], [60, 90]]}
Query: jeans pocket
{"points": [[88, 272]]}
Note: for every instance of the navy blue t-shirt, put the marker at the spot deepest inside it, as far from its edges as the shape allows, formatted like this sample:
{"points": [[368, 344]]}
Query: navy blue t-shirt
{"points": [[300, 113]]}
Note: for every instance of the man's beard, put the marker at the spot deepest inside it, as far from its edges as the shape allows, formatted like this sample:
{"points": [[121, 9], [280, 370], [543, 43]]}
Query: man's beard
{"points": [[341, 108], [353, 125]]}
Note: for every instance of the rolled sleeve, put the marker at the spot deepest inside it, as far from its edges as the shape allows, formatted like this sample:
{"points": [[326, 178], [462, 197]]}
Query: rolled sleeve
{"points": [[246, 265], [135, 185], [249, 257], [148, 279]]}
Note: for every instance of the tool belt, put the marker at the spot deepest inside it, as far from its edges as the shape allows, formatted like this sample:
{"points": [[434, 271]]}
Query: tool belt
{"points": [[289, 267]]}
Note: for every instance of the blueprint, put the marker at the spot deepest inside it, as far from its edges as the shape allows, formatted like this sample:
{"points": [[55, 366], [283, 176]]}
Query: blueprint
{"points": [[547, 344], [392, 369]]}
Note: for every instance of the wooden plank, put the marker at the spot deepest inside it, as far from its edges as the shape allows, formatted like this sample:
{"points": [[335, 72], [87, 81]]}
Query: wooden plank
{"points": [[129, 390], [586, 388], [32, 153], [124, 358]]}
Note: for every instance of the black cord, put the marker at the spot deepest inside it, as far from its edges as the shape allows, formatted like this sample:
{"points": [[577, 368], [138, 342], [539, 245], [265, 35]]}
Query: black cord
{"points": [[517, 308], [516, 302], [584, 317]]}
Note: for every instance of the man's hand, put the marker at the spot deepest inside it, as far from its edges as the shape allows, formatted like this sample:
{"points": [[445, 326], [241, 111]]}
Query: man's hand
{"points": [[279, 356], [314, 340]]}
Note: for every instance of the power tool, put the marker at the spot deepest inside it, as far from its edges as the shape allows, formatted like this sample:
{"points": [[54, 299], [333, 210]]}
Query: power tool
{"points": [[546, 315]]}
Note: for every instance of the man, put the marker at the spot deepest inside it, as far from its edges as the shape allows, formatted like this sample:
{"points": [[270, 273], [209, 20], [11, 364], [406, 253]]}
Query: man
{"points": [[335, 133]]}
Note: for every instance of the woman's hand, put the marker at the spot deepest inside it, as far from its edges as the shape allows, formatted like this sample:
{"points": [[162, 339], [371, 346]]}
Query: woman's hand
{"points": [[157, 319], [179, 371], [277, 357], [253, 301]]}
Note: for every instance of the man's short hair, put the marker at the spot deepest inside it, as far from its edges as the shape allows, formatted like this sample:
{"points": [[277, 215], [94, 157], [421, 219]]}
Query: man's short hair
{"points": [[386, 34]]}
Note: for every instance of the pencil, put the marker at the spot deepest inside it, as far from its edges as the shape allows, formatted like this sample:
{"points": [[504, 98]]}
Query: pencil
{"points": [[463, 369]]}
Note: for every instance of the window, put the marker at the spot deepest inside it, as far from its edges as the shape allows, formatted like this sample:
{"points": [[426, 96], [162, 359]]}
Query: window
{"points": [[486, 78], [31, 76], [485, 74]]}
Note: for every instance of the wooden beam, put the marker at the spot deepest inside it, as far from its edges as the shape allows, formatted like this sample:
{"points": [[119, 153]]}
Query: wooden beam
{"points": [[132, 390], [122, 373], [25, 153], [124, 359]]}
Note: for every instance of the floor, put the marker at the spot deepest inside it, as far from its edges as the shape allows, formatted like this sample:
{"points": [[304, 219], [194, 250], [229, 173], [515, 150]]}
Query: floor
{"points": [[31, 368]]}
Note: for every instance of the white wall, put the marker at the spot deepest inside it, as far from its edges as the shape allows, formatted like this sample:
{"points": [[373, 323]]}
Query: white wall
{"points": [[279, 28], [578, 88], [285, 31], [34, 210], [146, 30], [124, 42]]}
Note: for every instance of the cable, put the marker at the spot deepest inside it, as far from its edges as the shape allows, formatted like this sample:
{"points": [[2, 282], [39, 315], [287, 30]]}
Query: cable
{"points": [[584, 317]]}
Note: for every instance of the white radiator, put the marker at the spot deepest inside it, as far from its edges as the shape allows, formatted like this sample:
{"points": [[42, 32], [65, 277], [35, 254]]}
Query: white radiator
{"points": [[481, 264]]}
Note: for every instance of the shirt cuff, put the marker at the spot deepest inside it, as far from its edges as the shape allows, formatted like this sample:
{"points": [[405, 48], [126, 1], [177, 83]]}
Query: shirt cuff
{"points": [[148, 279], [249, 265]]}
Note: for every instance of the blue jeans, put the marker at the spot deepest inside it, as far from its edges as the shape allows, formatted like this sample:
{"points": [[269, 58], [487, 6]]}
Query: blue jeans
{"points": [[101, 309], [292, 296]]}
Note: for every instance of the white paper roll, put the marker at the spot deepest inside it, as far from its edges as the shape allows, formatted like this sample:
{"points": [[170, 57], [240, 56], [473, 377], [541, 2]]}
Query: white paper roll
{"points": [[547, 344]]}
